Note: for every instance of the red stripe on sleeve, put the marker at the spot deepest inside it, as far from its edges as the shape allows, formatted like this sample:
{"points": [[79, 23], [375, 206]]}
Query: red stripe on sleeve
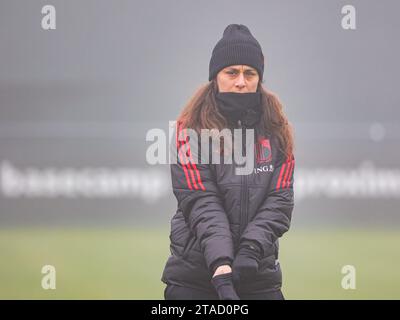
{"points": [[289, 163], [180, 159], [290, 175], [187, 150], [278, 185], [196, 171]]}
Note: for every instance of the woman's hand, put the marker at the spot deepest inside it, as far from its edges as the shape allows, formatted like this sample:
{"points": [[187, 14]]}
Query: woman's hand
{"points": [[223, 284], [222, 269], [246, 263]]}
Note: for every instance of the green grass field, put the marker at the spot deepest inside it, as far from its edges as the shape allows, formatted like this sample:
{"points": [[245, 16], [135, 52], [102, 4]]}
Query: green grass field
{"points": [[122, 263]]}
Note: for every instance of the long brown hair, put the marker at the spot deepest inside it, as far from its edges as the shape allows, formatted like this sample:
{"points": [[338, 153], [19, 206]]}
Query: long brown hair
{"points": [[201, 112]]}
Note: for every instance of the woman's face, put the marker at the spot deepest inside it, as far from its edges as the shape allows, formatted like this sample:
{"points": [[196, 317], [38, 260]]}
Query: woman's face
{"points": [[238, 78]]}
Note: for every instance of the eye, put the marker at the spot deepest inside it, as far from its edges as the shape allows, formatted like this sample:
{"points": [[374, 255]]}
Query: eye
{"points": [[232, 72], [250, 73]]}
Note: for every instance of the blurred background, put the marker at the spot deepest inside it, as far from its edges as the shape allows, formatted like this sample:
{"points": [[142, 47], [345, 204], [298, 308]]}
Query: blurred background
{"points": [[77, 101]]}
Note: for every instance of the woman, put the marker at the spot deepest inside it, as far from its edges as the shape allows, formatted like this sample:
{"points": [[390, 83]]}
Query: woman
{"points": [[224, 235]]}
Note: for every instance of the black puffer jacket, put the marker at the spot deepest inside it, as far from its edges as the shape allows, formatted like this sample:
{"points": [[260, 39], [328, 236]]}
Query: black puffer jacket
{"points": [[219, 210]]}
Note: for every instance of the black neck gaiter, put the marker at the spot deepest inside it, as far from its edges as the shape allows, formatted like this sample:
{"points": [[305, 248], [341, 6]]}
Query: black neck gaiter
{"points": [[245, 107]]}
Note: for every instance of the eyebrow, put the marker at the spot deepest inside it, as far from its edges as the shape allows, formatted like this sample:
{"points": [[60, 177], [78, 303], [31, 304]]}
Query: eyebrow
{"points": [[248, 69]]}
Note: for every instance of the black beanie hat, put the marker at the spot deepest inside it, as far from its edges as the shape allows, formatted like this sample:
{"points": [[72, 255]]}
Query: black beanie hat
{"points": [[237, 46]]}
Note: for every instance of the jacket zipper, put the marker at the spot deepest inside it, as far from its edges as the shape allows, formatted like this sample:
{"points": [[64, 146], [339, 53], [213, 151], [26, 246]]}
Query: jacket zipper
{"points": [[243, 214], [243, 207]]}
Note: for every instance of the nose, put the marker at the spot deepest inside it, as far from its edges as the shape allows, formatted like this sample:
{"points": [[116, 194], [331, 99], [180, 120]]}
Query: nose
{"points": [[240, 84]]}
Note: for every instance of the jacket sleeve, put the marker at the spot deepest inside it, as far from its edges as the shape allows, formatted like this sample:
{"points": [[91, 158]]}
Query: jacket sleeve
{"points": [[273, 216], [198, 197]]}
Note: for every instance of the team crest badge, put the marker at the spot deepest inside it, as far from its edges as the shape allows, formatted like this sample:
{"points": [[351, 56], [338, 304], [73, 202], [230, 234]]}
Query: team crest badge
{"points": [[263, 150]]}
